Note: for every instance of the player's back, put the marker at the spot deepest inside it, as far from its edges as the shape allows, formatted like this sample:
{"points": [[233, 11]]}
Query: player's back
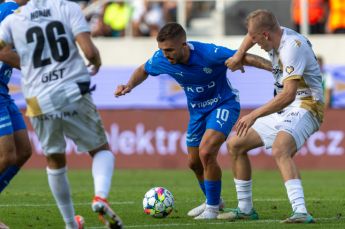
{"points": [[43, 33]]}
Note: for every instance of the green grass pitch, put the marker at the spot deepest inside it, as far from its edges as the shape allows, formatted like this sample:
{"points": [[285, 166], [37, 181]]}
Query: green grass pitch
{"points": [[28, 203]]}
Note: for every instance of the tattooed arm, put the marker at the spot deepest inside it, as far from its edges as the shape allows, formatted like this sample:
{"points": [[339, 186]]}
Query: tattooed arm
{"points": [[257, 61]]}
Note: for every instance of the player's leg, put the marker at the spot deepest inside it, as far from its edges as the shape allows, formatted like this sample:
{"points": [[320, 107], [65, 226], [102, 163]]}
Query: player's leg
{"points": [[8, 168], [218, 126], [208, 150], [49, 130], [87, 123], [21, 137], [196, 128], [102, 171], [15, 147], [196, 166], [294, 132], [238, 148]]}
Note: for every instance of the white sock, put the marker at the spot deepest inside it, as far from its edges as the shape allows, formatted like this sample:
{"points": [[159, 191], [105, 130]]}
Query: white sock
{"points": [[59, 186], [295, 193], [102, 172], [244, 195]]}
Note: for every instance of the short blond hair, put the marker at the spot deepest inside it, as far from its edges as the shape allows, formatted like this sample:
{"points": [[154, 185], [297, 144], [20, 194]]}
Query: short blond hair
{"points": [[263, 20]]}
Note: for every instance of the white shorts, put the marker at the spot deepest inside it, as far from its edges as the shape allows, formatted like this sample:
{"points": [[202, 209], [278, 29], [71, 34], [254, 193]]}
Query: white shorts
{"points": [[298, 122], [78, 121]]}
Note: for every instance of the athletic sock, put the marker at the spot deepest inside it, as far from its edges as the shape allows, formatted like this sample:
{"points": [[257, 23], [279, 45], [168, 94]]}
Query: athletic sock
{"points": [[102, 172], [7, 176], [244, 195], [202, 187], [213, 189], [296, 196], [59, 186]]}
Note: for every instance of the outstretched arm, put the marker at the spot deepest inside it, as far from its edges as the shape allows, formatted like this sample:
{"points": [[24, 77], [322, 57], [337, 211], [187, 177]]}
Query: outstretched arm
{"points": [[278, 103], [139, 75], [257, 61], [235, 62]]}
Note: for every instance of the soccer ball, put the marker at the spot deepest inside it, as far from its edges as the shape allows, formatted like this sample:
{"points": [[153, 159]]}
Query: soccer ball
{"points": [[158, 202]]}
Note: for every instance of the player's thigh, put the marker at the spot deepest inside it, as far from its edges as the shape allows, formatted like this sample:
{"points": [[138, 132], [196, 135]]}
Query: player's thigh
{"points": [[299, 124], [23, 146], [267, 128], [18, 122], [223, 118], [49, 131], [85, 126], [196, 129], [7, 144], [21, 138], [212, 141]]}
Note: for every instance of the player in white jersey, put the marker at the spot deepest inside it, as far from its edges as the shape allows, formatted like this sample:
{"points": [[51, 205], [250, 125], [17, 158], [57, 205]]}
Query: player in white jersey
{"points": [[56, 86], [285, 122]]}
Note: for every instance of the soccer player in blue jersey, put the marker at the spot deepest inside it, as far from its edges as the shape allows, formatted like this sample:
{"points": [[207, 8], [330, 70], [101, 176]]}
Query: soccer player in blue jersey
{"points": [[212, 103], [15, 147]]}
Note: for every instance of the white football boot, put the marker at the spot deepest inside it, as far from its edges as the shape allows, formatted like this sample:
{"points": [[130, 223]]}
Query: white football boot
{"points": [[201, 208]]}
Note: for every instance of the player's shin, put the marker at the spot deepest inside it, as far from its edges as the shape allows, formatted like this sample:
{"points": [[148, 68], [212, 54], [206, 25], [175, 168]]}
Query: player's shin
{"points": [[102, 172], [59, 186], [244, 195]]}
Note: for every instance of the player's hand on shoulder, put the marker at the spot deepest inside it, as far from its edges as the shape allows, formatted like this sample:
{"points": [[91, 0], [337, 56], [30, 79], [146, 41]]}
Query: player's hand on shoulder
{"points": [[122, 90]]}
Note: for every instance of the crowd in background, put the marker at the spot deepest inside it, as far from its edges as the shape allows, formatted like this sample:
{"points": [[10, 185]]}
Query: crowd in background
{"points": [[138, 17], [325, 16], [115, 18]]}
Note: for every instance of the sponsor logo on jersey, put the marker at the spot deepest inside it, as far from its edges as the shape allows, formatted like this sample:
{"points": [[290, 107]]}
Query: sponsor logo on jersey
{"points": [[207, 70], [289, 69], [200, 89], [209, 102], [59, 115]]}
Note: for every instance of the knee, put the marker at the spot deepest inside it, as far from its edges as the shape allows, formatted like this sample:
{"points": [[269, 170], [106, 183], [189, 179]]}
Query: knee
{"points": [[195, 165], [207, 155], [278, 153], [235, 148]]}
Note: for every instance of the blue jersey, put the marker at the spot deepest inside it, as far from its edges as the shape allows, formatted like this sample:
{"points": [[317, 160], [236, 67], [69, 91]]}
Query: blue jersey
{"points": [[6, 9], [203, 79]]}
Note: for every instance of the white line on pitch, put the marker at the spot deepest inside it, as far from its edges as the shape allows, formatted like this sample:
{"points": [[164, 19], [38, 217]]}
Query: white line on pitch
{"points": [[53, 204], [210, 223]]}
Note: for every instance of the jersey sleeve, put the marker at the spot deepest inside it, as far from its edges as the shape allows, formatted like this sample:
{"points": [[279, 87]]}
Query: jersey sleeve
{"points": [[152, 65], [76, 19], [5, 32], [9, 8], [219, 54], [293, 61]]}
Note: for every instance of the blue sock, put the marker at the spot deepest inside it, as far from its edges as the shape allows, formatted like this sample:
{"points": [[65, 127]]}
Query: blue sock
{"points": [[202, 186], [213, 189], [7, 175]]}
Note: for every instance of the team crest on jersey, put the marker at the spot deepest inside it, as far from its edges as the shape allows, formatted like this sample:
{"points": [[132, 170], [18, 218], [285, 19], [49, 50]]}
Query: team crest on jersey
{"points": [[207, 70], [298, 43], [289, 69]]}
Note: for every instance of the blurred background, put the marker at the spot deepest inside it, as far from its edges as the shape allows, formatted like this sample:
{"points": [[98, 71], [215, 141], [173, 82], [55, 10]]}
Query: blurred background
{"points": [[146, 128]]}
